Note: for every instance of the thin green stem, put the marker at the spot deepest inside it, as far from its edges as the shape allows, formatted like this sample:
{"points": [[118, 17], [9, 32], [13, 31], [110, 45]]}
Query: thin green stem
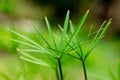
{"points": [[57, 75], [84, 69], [60, 69]]}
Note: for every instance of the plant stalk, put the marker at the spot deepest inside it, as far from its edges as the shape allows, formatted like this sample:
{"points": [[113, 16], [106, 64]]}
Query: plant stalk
{"points": [[84, 69], [60, 69], [57, 74]]}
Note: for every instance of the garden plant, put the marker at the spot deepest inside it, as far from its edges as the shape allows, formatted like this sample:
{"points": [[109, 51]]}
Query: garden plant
{"points": [[57, 45]]}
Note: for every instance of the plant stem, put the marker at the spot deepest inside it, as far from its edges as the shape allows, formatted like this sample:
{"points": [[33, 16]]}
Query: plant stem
{"points": [[57, 74], [84, 68], [60, 69]]}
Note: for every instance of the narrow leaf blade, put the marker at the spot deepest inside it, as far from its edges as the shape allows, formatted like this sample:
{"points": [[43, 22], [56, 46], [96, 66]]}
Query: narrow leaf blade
{"points": [[78, 27], [65, 27], [50, 32]]}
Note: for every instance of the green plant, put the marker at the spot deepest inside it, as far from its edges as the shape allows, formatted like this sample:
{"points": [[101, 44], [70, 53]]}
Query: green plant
{"points": [[84, 48], [57, 46]]}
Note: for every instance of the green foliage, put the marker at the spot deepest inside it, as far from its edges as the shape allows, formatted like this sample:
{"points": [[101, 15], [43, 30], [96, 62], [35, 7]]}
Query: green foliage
{"points": [[4, 76], [6, 44], [7, 6], [18, 75], [65, 44], [119, 71]]}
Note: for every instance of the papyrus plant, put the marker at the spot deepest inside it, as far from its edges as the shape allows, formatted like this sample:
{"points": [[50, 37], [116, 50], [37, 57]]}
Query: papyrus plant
{"points": [[56, 46]]}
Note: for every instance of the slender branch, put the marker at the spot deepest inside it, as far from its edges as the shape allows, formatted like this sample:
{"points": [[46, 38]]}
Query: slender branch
{"points": [[60, 69], [84, 68]]}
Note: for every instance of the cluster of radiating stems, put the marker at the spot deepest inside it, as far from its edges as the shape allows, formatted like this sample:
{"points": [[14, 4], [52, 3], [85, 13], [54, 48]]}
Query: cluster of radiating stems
{"points": [[65, 42]]}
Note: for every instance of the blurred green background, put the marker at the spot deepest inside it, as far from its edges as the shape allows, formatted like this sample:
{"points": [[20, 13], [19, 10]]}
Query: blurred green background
{"points": [[20, 15]]}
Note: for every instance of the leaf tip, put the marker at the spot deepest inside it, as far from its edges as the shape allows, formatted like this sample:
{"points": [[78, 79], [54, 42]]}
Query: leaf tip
{"points": [[110, 19], [68, 11], [17, 49], [88, 11], [45, 17]]}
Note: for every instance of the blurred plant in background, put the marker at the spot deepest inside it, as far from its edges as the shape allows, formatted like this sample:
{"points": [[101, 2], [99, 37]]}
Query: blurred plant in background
{"points": [[7, 6]]}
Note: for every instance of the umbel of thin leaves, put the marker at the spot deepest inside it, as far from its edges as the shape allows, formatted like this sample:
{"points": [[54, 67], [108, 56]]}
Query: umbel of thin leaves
{"points": [[83, 49], [59, 45]]}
